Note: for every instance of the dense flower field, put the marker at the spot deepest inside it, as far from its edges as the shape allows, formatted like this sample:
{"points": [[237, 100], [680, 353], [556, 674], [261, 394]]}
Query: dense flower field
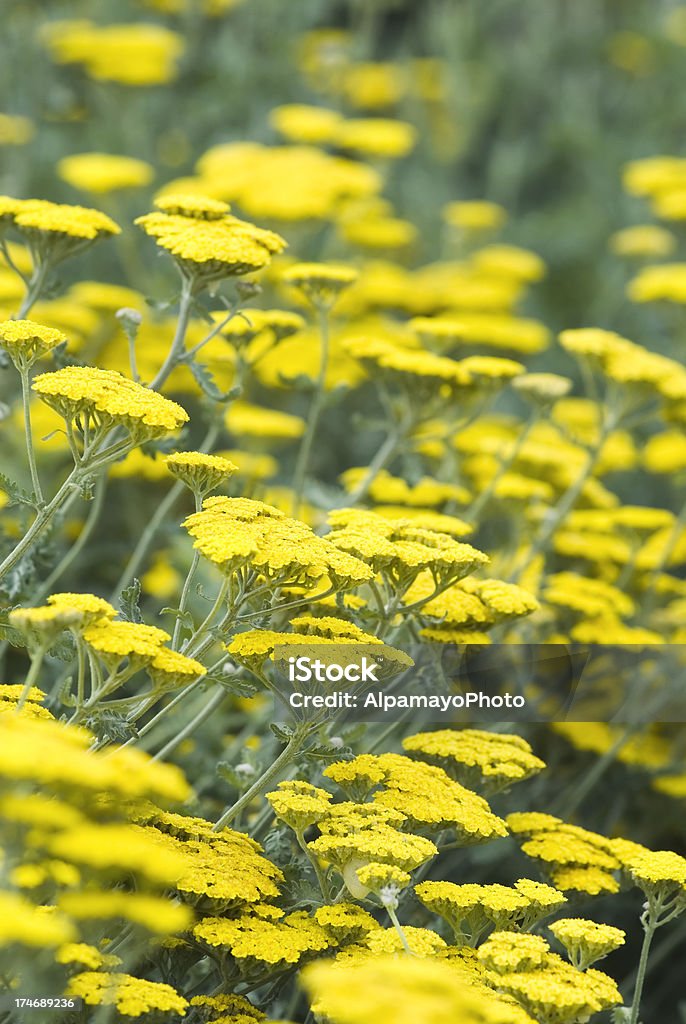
{"points": [[315, 337]]}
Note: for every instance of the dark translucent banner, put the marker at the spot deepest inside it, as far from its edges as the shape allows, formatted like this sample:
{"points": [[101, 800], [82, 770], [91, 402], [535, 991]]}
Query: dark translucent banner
{"points": [[446, 684]]}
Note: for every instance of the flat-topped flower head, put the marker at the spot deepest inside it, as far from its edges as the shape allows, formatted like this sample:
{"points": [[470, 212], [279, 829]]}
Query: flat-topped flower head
{"points": [[102, 173], [385, 880], [377, 137], [299, 804], [169, 669], [302, 122], [42, 625], [508, 951], [476, 757], [542, 388], [232, 532], [320, 283], [207, 242], [474, 215], [195, 206], [586, 941], [56, 231], [105, 399], [132, 997], [26, 341], [200, 472]]}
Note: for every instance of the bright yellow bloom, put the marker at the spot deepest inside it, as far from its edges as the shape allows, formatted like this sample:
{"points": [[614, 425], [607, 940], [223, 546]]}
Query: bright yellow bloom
{"points": [[101, 173]]}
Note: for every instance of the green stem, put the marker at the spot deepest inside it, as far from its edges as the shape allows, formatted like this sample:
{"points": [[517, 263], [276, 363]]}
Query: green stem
{"points": [[218, 602], [26, 403], [146, 539], [398, 927], [34, 288], [32, 677], [177, 350], [383, 456], [191, 727], [288, 754], [41, 522], [316, 407], [568, 500], [76, 548], [480, 502], [314, 861], [183, 602], [650, 925]]}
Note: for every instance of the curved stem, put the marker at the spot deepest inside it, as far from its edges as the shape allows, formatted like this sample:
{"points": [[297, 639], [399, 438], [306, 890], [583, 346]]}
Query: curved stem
{"points": [[568, 500], [177, 349], [44, 517], [34, 288], [650, 925], [480, 502], [26, 404], [32, 677], [77, 547], [314, 414], [289, 752], [191, 727], [146, 539]]}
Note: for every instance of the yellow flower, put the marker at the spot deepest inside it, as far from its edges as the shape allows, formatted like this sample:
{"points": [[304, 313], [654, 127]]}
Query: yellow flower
{"points": [[27, 925], [255, 941], [15, 130], [246, 420], [107, 398], [200, 472], [586, 941], [27, 341], [135, 54], [321, 283], [662, 283], [100, 173], [506, 951], [157, 914], [85, 956], [299, 804], [373, 86], [132, 997], [494, 759], [299, 122], [474, 215], [398, 989], [643, 240], [377, 137], [207, 242]]}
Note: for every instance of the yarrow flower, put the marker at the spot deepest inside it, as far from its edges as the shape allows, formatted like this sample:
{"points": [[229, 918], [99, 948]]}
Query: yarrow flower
{"points": [[102, 173], [26, 341], [321, 283], [200, 472], [206, 241], [102, 399], [477, 757], [586, 941]]}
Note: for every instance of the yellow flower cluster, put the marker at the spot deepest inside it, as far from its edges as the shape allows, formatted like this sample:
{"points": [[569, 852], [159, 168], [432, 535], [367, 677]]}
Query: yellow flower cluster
{"points": [[101, 399], [239, 532], [138, 54], [575, 858], [475, 757], [101, 173], [473, 910], [207, 242]]}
